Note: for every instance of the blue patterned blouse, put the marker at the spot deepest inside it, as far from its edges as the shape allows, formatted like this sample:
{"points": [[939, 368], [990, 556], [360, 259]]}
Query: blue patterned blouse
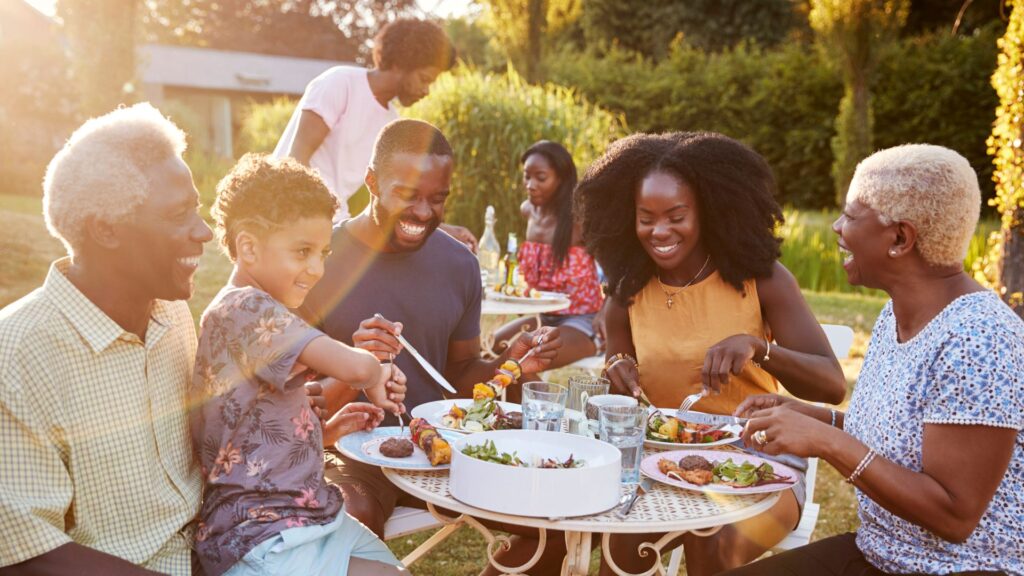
{"points": [[965, 367]]}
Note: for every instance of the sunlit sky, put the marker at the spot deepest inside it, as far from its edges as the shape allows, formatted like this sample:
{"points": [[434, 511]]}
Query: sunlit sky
{"points": [[442, 8]]}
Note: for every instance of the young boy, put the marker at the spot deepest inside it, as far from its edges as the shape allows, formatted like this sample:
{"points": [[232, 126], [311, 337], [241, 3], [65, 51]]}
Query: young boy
{"points": [[266, 507]]}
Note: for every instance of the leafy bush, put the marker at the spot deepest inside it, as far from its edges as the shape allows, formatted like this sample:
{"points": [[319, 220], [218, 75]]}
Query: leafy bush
{"points": [[783, 101], [810, 252], [936, 89], [263, 124], [490, 120]]}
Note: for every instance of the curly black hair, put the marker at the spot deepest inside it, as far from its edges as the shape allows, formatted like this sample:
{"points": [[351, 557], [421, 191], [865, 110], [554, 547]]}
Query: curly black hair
{"points": [[735, 192], [410, 44], [261, 194], [565, 168]]}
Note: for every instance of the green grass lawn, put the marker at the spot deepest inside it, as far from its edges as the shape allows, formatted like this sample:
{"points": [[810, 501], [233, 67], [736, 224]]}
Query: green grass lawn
{"points": [[28, 249]]}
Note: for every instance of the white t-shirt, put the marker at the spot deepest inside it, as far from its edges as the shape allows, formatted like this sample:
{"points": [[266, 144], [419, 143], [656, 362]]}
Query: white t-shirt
{"points": [[341, 97]]}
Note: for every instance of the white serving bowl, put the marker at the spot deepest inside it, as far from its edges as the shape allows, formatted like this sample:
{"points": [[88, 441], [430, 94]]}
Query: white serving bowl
{"points": [[537, 492]]}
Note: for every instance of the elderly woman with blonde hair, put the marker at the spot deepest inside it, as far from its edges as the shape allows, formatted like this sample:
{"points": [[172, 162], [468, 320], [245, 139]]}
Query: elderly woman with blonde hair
{"points": [[933, 439]]}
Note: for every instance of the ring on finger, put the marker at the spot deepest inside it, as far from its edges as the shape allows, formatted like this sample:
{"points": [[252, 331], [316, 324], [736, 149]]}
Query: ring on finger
{"points": [[761, 437]]}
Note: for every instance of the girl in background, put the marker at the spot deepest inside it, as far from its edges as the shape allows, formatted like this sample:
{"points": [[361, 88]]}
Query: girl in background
{"points": [[552, 258]]}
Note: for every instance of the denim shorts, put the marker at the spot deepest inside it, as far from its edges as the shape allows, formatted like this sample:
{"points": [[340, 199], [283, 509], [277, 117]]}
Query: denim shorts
{"points": [[581, 322]]}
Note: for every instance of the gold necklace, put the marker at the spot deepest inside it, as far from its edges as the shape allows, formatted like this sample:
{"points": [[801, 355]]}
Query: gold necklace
{"points": [[670, 295]]}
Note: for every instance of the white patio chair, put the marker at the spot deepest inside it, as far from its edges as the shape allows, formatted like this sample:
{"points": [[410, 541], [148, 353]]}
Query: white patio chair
{"points": [[406, 520], [841, 339]]}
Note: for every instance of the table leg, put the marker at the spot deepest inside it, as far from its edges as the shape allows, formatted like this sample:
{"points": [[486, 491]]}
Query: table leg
{"points": [[577, 554], [646, 549], [496, 542]]}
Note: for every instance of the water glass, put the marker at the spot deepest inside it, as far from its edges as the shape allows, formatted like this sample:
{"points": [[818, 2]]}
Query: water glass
{"points": [[581, 388], [543, 406], [623, 427]]}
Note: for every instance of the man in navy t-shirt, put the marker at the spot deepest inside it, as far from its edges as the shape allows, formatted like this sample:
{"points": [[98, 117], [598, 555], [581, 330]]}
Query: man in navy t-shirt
{"points": [[392, 260]]}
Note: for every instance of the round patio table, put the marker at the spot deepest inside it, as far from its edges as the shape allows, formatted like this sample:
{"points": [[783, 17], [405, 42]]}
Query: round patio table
{"points": [[505, 308], [664, 509]]}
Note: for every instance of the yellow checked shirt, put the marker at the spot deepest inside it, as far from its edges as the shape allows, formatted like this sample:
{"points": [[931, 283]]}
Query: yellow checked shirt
{"points": [[94, 441]]}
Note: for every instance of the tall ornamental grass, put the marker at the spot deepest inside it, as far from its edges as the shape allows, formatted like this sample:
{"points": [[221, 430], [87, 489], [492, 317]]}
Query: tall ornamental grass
{"points": [[490, 120], [810, 252]]}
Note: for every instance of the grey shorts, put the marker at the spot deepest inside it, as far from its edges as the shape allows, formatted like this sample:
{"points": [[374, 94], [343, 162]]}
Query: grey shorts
{"points": [[581, 322]]}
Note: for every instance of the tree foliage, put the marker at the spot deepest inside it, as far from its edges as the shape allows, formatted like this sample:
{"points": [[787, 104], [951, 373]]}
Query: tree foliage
{"points": [[37, 103], [782, 101], [854, 33], [522, 29], [1004, 266], [101, 36], [649, 27], [332, 30]]}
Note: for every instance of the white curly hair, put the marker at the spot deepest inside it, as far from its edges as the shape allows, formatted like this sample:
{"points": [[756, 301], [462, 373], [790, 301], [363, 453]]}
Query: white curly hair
{"points": [[931, 187], [101, 170]]}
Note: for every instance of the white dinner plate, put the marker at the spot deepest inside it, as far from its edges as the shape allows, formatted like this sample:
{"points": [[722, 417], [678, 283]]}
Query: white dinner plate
{"points": [[432, 412], [734, 428], [543, 298], [365, 447], [649, 467]]}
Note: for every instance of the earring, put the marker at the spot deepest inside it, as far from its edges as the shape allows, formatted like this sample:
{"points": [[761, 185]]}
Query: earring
{"points": [[892, 252]]}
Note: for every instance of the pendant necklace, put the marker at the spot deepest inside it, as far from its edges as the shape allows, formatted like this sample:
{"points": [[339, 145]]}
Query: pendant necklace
{"points": [[670, 295]]}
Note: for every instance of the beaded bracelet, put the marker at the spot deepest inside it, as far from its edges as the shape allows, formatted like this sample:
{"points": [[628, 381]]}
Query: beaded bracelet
{"points": [[860, 467], [620, 356]]}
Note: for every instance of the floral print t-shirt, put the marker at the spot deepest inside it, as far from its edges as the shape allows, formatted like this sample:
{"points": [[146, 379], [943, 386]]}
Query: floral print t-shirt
{"points": [[965, 367], [255, 436]]}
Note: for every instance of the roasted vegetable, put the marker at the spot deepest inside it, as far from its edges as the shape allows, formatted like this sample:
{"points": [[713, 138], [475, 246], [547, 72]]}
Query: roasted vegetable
{"points": [[425, 436]]}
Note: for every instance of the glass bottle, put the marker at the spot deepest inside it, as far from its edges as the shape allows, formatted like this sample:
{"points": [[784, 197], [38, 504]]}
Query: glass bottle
{"points": [[489, 251], [511, 266]]}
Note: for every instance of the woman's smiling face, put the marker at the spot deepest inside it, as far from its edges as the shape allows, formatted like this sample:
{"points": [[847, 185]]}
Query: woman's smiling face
{"points": [[863, 241], [667, 220]]}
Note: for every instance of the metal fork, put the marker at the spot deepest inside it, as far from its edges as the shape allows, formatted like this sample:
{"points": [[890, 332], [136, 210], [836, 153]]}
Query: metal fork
{"points": [[690, 400], [401, 422]]}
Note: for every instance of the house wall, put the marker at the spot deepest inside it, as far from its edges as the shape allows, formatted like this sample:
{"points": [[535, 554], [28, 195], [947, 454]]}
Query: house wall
{"points": [[212, 118]]}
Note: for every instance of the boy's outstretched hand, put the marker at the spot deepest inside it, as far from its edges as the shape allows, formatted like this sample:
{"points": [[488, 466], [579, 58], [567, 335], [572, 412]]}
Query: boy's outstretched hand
{"points": [[353, 417], [389, 391]]}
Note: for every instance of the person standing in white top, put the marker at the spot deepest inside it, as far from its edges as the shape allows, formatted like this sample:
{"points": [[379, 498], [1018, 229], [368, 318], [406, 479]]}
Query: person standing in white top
{"points": [[337, 120]]}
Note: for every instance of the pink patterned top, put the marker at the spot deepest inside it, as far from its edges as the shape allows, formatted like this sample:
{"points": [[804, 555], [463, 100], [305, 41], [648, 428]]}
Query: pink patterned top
{"points": [[576, 277]]}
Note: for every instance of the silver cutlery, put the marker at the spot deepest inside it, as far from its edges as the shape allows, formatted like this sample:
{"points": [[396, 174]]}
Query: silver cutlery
{"points": [[690, 400], [645, 485], [423, 362]]}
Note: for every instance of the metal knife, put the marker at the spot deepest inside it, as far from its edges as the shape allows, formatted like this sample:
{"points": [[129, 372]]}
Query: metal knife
{"points": [[423, 362], [705, 418]]}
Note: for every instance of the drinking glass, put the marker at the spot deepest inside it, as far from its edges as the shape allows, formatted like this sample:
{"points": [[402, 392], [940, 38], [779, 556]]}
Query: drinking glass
{"points": [[623, 427], [581, 388], [543, 406]]}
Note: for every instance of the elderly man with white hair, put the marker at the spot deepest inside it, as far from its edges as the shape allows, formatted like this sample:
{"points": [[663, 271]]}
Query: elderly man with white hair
{"points": [[96, 473]]}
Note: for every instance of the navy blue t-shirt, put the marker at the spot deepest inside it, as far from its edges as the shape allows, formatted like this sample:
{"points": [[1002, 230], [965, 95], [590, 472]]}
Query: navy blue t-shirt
{"points": [[434, 292]]}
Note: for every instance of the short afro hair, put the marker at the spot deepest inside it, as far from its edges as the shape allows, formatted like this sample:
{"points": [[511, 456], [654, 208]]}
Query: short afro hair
{"points": [[411, 44], [931, 187], [735, 191], [410, 137], [262, 194], [100, 173]]}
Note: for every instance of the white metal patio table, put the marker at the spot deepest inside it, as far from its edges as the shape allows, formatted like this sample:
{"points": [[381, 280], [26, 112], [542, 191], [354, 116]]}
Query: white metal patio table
{"points": [[505, 309], [664, 509]]}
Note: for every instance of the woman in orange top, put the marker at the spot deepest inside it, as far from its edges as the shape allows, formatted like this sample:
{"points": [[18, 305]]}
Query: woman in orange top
{"points": [[683, 225]]}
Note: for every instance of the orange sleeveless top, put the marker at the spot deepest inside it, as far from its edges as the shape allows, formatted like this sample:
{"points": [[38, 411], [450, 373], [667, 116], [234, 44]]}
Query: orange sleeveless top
{"points": [[671, 343]]}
